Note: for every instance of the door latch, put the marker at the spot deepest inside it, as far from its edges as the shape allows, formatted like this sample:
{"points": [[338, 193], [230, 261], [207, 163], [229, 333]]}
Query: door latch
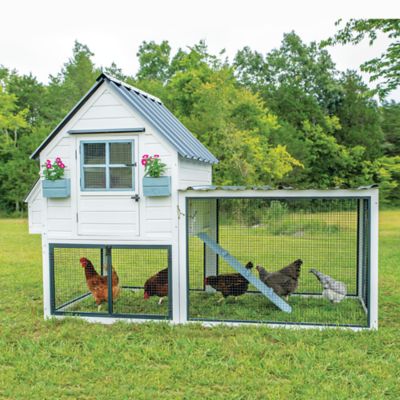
{"points": [[136, 197]]}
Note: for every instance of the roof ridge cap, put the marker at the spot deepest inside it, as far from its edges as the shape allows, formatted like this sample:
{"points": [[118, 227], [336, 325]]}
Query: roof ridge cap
{"points": [[128, 86]]}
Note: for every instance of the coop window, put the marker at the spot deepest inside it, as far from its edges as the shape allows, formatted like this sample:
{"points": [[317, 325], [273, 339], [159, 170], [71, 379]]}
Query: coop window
{"points": [[107, 165]]}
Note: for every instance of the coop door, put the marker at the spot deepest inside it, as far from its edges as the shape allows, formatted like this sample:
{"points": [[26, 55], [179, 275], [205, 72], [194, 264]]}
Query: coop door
{"points": [[108, 187]]}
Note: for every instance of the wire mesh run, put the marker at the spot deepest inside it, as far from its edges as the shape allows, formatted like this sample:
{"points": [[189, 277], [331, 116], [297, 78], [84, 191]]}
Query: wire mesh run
{"points": [[125, 281], [279, 241]]}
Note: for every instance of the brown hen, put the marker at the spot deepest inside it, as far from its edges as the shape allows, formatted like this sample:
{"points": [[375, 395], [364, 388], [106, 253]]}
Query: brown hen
{"points": [[97, 284]]}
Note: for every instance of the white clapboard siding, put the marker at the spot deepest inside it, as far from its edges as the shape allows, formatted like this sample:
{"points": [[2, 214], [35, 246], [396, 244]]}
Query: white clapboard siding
{"points": [[106, 123], [107, 112], [59, 216], [194, 173], [34, 201], [101, 214], [59, 226], [96, 112]]}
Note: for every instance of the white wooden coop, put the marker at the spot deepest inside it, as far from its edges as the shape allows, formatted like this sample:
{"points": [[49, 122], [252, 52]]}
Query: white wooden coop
{"points": [[195, 231]]}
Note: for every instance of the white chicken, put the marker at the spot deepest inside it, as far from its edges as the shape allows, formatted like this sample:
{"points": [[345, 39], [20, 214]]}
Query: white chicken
{"points": [[334, 291]]}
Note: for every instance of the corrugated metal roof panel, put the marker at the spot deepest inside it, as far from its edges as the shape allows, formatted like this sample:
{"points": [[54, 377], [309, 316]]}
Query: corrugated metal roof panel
{"points": [[210, 188], [166, 123]]}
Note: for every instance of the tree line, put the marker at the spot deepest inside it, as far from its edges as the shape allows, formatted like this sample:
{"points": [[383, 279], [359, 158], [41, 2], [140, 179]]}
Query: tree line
{"points": [[286, 117]]}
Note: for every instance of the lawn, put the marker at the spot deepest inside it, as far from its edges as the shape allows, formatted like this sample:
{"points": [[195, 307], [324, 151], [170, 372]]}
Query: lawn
{"points": [[76, 360]]}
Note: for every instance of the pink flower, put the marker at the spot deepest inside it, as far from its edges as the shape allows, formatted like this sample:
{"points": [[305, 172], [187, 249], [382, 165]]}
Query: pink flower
{"points": [[61, 165], [145, 156], [58, 160], [48, 161], [48, 166], [156, 156], [144, 161]]}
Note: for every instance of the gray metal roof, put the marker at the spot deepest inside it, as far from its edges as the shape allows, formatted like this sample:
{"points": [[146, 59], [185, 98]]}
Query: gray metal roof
{"points": [[153, 110], [210, 188]]}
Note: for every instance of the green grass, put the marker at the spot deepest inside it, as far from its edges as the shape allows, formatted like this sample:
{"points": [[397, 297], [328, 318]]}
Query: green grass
{"points": [[72, 359], [256, 308]]}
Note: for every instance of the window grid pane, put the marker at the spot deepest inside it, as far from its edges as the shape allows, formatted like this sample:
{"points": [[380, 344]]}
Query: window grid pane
{"points": [[121, 177], [94, 153], [120, 153], [94, 177]]}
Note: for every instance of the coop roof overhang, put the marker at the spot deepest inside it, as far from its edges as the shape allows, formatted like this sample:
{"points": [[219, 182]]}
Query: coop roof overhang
{"points": [[213, 191], [151, 109]]}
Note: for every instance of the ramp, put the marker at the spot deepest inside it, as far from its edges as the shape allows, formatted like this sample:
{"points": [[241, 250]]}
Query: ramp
{"points": [[257, 283]]}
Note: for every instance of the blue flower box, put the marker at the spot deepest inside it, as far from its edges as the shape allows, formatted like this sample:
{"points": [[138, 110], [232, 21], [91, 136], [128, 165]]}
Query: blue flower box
{"points": [[153, 187], [59, 188]]}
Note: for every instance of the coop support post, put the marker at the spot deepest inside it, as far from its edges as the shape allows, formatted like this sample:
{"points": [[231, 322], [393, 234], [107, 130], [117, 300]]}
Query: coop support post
{"points": [[102, 261], [210, 257], [48, 287], [360, 247], [183, 237], [109, 279], [373, 259]]}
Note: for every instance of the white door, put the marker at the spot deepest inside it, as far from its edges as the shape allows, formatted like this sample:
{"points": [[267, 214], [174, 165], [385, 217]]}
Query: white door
{"points": [[107, 188]]}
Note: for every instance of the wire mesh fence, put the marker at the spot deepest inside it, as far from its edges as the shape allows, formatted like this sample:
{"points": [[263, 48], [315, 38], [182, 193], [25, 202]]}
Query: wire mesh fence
{"points": [[130, 281], [267, 235]]}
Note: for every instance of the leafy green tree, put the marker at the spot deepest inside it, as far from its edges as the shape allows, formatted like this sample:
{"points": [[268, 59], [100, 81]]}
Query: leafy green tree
{"points": [[359, 116], [386, 68], [231, 121], [11, 121], [74, 80], [154, 61], [29, 95], [297, 80], [391, 128]]}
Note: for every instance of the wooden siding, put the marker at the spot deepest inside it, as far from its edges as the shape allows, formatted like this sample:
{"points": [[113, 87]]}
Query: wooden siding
{"points": [[35, 205], [194, 173], [87, 216]]}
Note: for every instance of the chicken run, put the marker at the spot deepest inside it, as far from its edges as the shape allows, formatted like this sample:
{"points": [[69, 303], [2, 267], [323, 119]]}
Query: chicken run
{"points": [[118, 243], [281, 261]]}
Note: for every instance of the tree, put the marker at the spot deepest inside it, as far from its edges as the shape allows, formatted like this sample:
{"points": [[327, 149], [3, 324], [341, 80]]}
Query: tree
{"points": [[68, 86], [230, 120], [359, 116], [11, 121], [391, 128], [297, 80], [384, 69], [154, 61]]}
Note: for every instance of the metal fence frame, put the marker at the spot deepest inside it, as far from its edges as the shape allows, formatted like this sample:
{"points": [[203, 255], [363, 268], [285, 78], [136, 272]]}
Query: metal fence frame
{"points": [[367, 199], [108, 254]]}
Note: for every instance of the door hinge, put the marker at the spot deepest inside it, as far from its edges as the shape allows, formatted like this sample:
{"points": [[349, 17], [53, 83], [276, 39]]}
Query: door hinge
{"points": [[76, 154], [136, 197], [77, 218]]}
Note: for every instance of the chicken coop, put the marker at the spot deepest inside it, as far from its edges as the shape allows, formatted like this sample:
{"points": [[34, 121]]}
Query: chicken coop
{"points": [[120, 244], [323, 241]]}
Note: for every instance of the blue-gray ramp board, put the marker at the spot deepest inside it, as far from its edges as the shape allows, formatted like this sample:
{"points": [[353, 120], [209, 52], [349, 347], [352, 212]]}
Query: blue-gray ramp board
{"points": [[257, 283]]}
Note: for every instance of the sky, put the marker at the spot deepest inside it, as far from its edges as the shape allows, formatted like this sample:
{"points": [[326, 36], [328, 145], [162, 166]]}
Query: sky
{"points": [[38, 36]]}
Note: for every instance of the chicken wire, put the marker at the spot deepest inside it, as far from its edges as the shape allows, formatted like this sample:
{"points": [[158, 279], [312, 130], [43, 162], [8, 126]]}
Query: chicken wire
{"points": [[324, 233], [133, 265]]}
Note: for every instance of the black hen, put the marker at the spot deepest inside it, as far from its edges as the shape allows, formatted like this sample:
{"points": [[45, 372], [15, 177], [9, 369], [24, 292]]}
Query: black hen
{"points": [[229, 284]]}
